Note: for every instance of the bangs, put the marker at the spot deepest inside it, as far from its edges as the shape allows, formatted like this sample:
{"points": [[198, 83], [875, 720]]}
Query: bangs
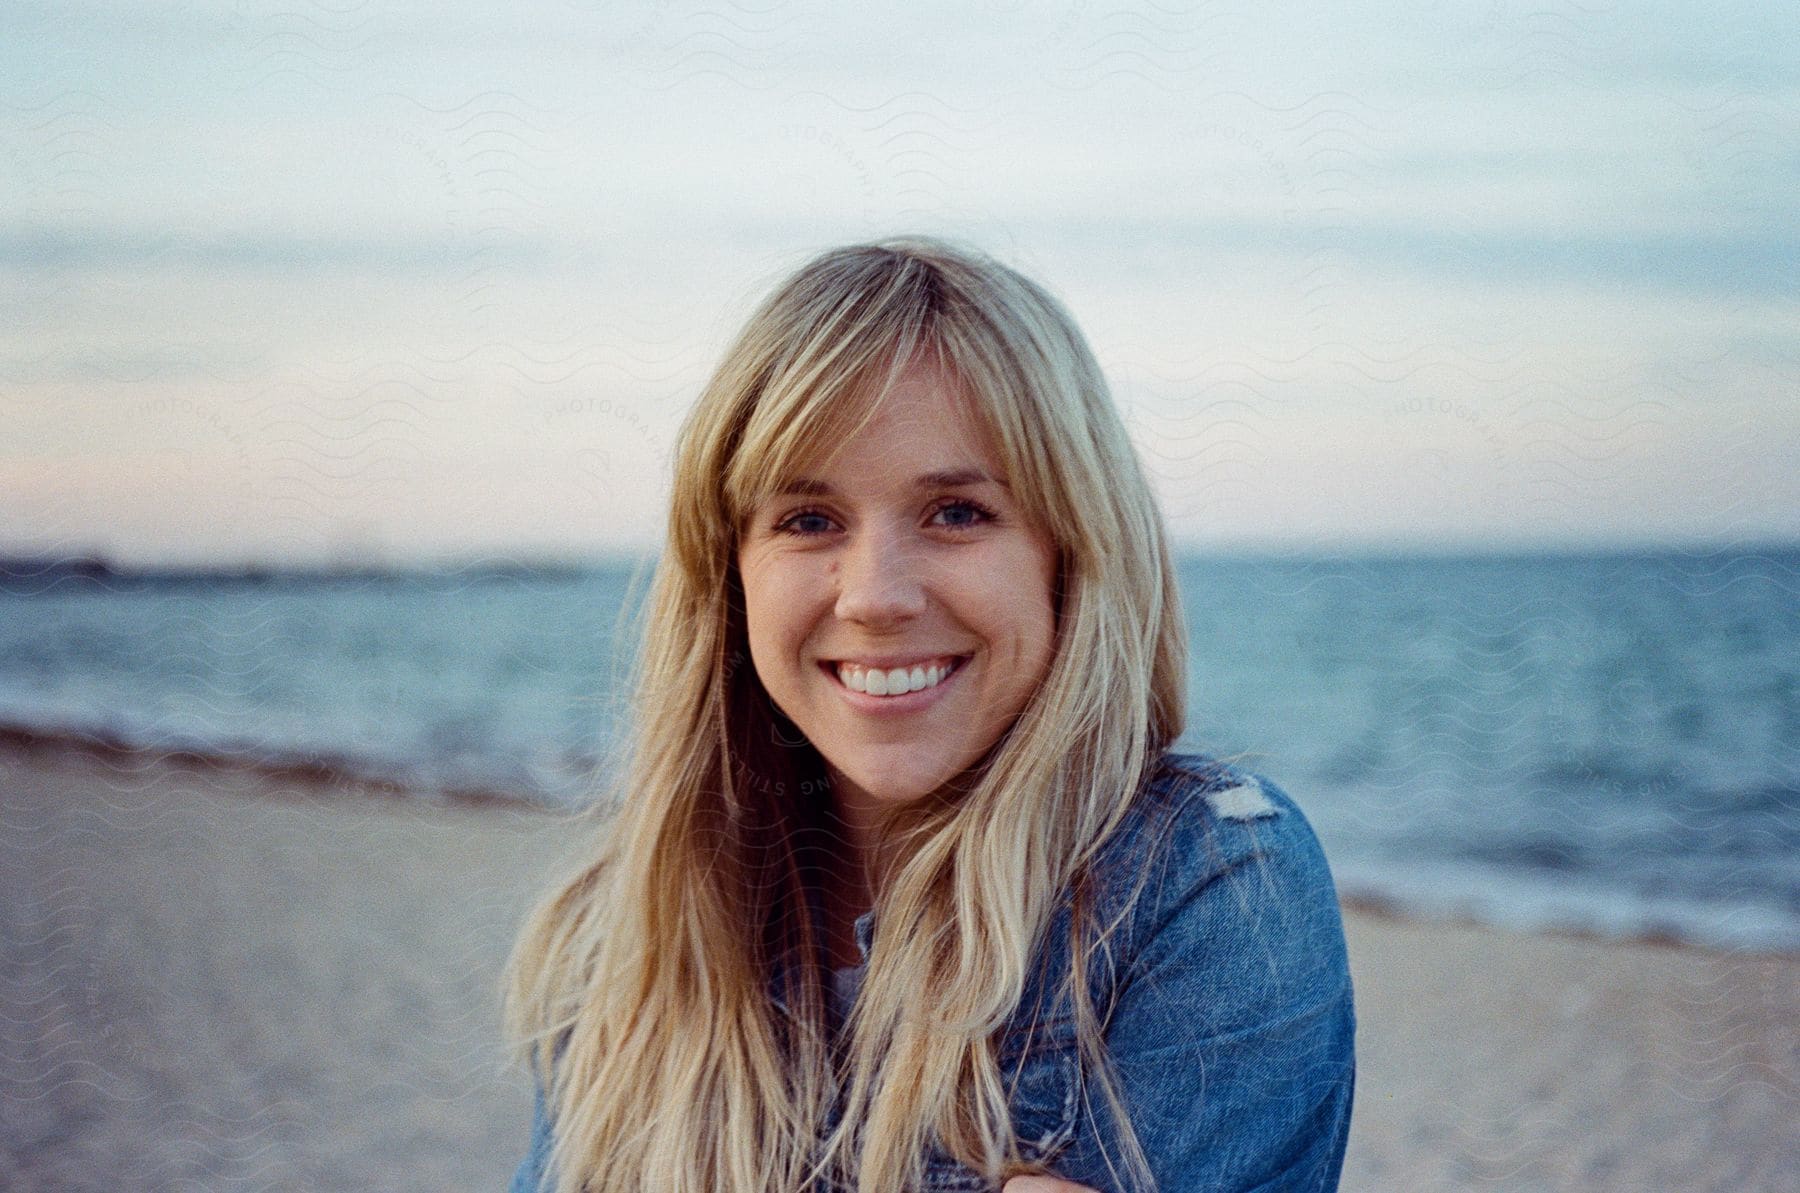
{"points": [[842, 339], [825, 383], [794, 426]]}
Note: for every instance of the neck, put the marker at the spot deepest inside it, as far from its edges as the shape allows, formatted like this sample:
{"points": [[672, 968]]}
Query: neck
{"points": [[851, 858], [846, 871]]}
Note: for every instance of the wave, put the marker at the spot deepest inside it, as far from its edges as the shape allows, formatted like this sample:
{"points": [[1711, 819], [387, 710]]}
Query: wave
{"points": [[559, 784], [1528, 902]]}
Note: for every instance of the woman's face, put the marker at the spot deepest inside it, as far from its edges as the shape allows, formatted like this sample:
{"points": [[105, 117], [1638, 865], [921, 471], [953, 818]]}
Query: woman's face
{"points": [[899, 561]]}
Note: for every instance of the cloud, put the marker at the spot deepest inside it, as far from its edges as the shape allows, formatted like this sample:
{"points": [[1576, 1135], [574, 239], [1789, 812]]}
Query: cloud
{"points": [[116, 248]]}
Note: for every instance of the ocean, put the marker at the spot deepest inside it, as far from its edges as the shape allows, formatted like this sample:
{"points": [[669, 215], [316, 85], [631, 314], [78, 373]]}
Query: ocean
{"points": [[1601, 743]]}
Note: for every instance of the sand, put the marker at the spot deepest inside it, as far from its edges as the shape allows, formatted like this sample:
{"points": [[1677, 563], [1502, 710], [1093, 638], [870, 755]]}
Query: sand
{"points": [[219, 980]]}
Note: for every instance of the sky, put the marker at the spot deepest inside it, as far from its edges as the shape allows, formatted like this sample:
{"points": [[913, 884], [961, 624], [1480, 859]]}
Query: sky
{"points": [[339, 281]]}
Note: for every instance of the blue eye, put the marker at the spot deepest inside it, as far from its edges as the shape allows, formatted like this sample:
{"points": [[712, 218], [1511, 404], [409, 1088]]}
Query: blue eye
{"points": [[963, 514], [956, 514], [805, 523]]}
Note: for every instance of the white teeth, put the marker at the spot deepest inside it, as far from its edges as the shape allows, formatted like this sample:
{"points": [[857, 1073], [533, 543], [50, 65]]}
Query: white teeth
{"points": [[898, 681]]}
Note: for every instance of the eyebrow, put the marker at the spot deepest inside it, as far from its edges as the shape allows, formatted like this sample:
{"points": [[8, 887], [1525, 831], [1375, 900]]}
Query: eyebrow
{"points": [[950, 478]]}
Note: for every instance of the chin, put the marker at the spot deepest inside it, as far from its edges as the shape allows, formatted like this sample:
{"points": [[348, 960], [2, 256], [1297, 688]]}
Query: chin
{"points": [[903, 784], [889, 790]]}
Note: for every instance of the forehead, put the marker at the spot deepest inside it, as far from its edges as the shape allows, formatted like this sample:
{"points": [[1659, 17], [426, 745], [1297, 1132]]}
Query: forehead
{"points": [[891, 427], [925, 421], [924, 404]]}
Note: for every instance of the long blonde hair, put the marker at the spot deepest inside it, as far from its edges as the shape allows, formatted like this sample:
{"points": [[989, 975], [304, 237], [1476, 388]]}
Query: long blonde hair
{"points": [[647, 974]]}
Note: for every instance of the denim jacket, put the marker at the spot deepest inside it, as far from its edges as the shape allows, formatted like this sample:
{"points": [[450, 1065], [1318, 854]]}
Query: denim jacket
{"points": [[1232, 1026]]}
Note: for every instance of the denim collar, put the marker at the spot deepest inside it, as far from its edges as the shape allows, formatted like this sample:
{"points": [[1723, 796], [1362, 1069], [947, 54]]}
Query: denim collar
{"points": [[864, 930]]}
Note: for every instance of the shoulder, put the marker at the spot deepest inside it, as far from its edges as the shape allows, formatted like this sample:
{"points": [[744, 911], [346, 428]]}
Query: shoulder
{"points": [[1212, 849], [1212, 815], [1230, 1019]]}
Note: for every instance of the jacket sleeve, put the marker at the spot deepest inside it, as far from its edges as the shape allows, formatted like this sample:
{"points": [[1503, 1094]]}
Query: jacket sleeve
{"points": [[1233, 1032]]}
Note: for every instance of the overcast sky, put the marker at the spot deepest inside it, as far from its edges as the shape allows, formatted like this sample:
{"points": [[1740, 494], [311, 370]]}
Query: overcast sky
{"points": [[322, 280]]}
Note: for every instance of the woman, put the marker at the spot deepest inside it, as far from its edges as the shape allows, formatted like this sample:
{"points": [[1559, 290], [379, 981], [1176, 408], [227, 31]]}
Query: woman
{"points": [[903, 889]]}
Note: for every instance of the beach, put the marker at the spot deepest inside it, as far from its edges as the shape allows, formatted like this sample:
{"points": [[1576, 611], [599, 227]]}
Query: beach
{"points": [[216, 978]]}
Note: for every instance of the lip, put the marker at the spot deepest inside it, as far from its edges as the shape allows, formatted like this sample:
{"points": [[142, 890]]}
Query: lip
{"points": [[889, 661], [894, 705]]}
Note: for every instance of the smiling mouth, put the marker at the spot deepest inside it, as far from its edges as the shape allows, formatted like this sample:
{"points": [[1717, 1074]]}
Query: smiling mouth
{"points": [[917, 676]]}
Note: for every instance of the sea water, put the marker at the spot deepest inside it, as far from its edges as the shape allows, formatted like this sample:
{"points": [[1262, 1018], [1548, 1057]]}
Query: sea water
{"points": [[1608, 743]]}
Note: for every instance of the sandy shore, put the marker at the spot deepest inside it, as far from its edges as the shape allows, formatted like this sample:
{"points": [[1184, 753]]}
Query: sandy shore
{"points": [[217, 980]]}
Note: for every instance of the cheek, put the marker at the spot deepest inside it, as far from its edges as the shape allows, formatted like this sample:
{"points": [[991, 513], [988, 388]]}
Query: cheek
{"points": [[1028, 621], [767, 652], [776, 611], [1044, 608], [756, 616], [1042, 646]]}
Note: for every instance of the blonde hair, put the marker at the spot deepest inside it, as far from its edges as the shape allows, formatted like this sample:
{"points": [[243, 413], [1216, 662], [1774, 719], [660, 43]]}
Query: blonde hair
{"points": [[647, 973]]}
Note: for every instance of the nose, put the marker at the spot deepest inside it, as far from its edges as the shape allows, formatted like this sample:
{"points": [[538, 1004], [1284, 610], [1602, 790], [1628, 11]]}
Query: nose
{"points": [[879, 579]]}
